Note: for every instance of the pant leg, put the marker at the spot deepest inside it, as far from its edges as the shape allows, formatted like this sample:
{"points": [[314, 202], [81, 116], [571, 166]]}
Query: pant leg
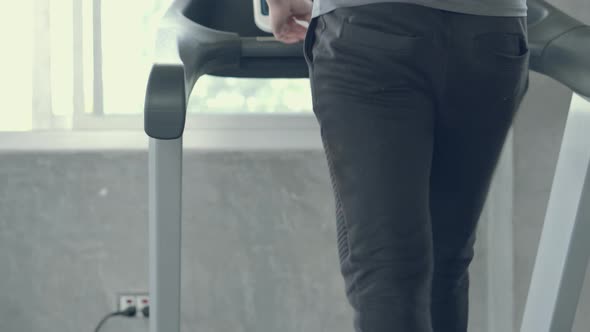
{"points": [[376, 113], [486, 75]]}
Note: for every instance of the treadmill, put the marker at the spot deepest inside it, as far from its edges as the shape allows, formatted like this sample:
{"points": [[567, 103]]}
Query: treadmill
{"points": [[220, 38]]}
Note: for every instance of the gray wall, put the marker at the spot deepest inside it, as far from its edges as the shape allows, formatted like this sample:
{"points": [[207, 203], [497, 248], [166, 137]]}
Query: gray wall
{"points": [[257, 253], [259, 248]]}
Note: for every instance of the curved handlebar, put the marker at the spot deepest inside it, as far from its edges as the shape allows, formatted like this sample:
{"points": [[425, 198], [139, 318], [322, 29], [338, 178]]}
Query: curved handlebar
{"points": [[185, 50], [560, 46]]}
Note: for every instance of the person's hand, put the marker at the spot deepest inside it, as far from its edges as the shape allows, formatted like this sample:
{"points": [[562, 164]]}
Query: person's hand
{"points": [[284, 15]]}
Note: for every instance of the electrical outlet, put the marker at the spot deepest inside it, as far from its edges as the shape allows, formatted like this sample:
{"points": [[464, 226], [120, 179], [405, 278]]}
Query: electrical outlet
{"points": [[139, 300], [143, 300], [126, 300]]}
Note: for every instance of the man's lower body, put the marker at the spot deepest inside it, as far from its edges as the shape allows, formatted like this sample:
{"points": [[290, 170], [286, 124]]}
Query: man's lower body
{"points": [[414, 105]]}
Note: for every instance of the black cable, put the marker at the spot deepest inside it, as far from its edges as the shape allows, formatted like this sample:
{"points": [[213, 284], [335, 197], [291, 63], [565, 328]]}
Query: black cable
{"points": [[146, 311], [104, 320], [129, 312]]}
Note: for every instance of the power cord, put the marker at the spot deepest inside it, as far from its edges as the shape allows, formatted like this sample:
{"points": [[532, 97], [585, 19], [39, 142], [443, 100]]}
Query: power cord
{"points": [[129, 312], [146, 311]]}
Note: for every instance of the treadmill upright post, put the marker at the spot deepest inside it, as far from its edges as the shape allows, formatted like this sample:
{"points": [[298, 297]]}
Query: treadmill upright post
{"points": [[165, 209], [564, 248], [164, 119]]}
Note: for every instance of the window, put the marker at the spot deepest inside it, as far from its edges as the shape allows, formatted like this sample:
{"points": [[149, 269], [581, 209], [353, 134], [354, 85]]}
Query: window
{"points": [[16, 79], [128, 31], [233, 95], [84, 64]]}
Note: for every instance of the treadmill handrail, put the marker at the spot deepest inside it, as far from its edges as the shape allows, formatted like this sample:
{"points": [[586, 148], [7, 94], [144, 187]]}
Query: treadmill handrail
{"points": [[560, 46], [185, 50]]}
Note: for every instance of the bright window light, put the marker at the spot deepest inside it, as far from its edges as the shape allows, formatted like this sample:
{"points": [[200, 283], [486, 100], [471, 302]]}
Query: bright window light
{"points": [[128, 36], [16, 80], [62, 57], [50, 64]]}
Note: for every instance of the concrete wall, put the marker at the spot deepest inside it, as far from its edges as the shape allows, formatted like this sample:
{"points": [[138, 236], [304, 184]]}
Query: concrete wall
{"points": [[259, 248], [257, 242]]}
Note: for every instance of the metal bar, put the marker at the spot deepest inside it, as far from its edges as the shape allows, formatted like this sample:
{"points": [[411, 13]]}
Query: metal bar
{"points": [[269, 47], [499, 243], [78, 56], [97, 87], [165, 210], [41, 83], [564, 249]]}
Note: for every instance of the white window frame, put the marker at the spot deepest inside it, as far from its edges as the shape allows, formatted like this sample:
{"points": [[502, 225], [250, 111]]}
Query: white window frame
{"points": [[236, 121], [290, 129], [291, 122], [219, 131]]}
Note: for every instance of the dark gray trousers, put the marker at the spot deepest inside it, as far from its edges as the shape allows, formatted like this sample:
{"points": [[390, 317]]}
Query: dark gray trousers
{"points": [[414, 106]]}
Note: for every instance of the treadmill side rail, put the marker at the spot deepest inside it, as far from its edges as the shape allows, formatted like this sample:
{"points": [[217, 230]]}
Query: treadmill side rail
{"points": [[564, 248]]}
